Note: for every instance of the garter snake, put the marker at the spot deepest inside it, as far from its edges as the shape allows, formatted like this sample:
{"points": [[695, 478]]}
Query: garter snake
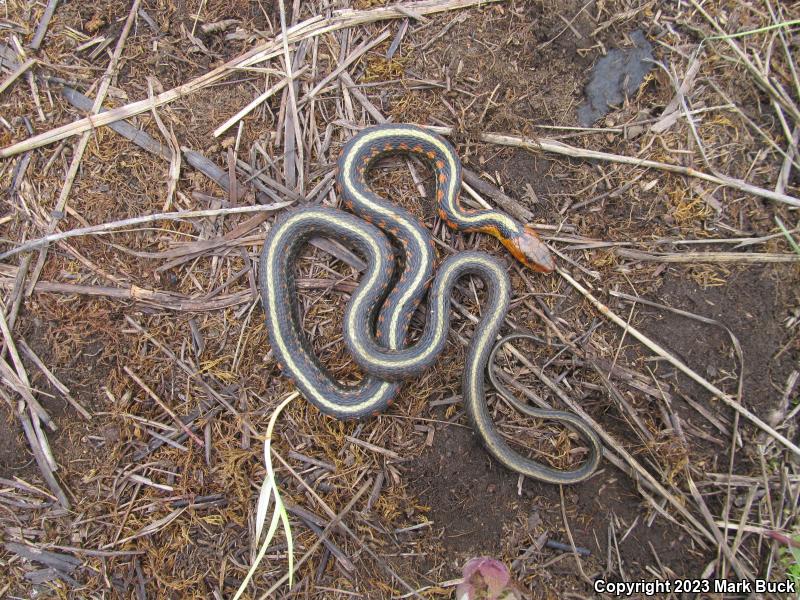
{"points": [[379, 312]]}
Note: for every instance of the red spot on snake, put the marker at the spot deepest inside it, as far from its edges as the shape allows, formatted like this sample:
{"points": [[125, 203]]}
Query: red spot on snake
{"points": [[431, 154], [418, 149], [440, 195], [440, 164], [403, 146], [388, 147], [442, 178]]}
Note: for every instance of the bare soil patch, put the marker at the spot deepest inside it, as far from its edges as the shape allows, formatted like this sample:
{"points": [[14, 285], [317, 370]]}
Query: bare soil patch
{"points": [[152, 513]]}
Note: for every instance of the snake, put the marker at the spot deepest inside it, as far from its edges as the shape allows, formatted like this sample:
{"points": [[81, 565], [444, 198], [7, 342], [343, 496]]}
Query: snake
{"points": [[378, 314]]}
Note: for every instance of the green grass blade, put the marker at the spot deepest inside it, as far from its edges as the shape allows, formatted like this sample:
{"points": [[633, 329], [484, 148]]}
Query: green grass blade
{"points": [[755, 31], [269, 488], [792, 242], [273, 527]]}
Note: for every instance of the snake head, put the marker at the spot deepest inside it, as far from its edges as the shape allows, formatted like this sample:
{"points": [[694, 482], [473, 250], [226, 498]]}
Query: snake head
{"points": [[529, 249]]}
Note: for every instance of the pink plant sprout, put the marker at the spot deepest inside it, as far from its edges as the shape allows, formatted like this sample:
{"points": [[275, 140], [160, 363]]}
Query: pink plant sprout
{"points": [[486, 579]]}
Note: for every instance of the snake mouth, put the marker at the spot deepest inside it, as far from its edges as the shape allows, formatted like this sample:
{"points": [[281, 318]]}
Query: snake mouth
{"points": [[529, 249]]}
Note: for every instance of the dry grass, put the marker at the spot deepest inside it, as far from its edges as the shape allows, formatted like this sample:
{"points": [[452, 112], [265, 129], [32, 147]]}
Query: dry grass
{"points": [[673, 197]]}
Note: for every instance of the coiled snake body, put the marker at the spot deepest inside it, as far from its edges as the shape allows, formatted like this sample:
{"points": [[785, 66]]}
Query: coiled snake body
{"points": [[377, 317]]}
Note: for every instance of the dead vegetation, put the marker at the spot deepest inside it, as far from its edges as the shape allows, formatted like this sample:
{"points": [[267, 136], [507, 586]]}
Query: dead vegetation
{"points": [[147, 146]]}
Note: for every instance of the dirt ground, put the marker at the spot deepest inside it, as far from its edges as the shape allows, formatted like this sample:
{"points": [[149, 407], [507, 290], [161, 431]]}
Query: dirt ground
{"points": [[149, 518]]}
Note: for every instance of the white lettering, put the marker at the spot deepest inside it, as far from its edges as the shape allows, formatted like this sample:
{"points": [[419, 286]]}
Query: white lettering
{"points": [[625, 589], [775, 587], [723, 586]]}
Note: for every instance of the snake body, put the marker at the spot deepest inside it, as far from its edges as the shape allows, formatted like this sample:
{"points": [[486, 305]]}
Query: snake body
{"points": [[379, 312]]}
